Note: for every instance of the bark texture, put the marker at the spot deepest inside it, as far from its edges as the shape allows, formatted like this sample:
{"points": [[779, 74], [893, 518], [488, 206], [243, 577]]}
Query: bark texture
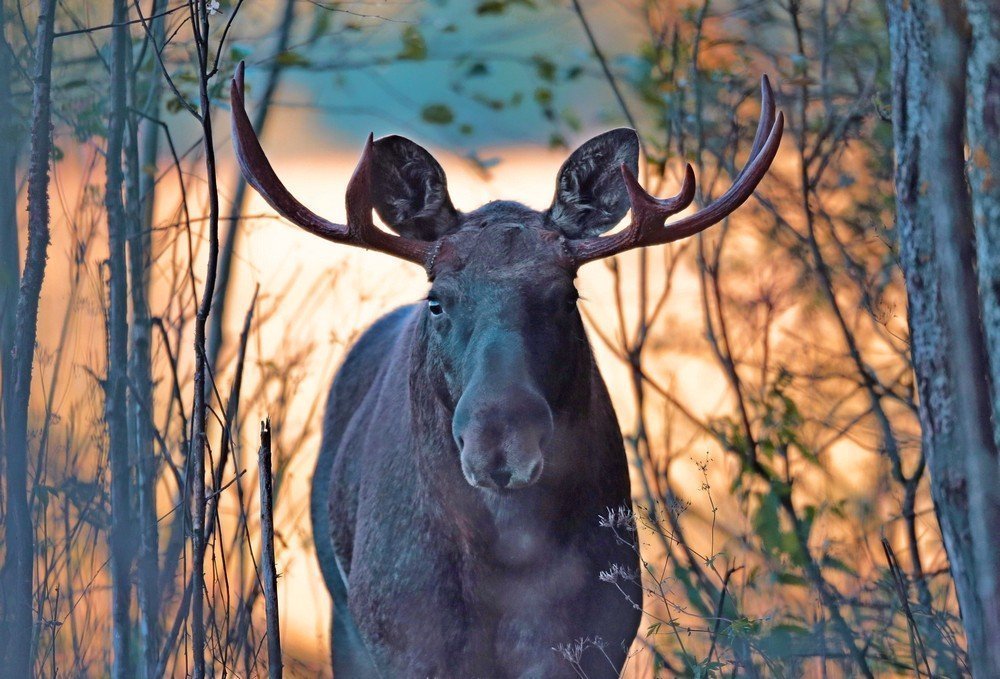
{"points": [[143, 143], [928, 42], [10, 137], [115, 412], [984, 173], [18, 623]]}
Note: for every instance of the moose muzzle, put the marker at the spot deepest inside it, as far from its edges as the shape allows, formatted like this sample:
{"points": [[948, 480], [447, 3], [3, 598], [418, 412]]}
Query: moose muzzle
{"points": [[501, 422]]}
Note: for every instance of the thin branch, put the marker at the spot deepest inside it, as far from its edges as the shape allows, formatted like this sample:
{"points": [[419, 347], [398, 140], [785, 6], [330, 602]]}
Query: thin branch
{"points": [[270, 575]]}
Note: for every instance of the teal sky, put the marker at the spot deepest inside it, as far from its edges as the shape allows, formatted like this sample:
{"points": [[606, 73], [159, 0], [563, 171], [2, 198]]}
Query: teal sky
{"points": [[357, 85]]}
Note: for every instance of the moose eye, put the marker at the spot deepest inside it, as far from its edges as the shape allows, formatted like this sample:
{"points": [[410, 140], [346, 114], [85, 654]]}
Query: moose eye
{"points": [[434, 306]]}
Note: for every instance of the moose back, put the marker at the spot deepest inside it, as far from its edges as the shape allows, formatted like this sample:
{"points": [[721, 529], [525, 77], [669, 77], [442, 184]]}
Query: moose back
{"points": [[469, 443]]}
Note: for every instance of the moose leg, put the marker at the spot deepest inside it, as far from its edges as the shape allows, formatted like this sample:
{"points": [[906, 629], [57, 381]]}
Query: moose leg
{"points": [[349, 655]]}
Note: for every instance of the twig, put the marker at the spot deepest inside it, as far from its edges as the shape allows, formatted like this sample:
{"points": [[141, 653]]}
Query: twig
{"points": [[229, 425], [911, 624], [607, 71], [269, 575], [199, 441], [718, 611], [228, 245], [92, 29]]}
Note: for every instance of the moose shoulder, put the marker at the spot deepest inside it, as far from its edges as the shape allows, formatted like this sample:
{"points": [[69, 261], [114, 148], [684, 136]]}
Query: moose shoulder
{"points": [[469, 444]]}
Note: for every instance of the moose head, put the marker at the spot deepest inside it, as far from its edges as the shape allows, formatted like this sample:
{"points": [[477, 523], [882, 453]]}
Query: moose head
{"points": [[502, 338]]}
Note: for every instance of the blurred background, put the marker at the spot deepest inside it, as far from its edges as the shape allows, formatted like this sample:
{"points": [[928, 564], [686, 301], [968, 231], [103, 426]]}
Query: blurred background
{"points": [[760, 371]]}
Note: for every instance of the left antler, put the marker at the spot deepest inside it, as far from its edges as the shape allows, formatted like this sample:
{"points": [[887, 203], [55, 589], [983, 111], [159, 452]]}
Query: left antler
{"points": [[649, 213], [360, 229]]}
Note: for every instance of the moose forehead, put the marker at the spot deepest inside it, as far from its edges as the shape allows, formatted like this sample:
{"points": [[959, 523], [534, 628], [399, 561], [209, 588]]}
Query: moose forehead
{"points": [[503, 241]]}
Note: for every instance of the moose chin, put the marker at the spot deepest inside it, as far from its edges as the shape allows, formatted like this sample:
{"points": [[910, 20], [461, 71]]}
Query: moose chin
{"points": [[469, 442]]}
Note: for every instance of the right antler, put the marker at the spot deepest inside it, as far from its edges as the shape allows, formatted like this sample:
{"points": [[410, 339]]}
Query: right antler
{"points": [[360, 229], [649, 213]]}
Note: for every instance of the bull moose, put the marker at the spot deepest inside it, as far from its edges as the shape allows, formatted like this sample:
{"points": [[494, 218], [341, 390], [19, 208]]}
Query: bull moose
{"points": [[469, 442]]}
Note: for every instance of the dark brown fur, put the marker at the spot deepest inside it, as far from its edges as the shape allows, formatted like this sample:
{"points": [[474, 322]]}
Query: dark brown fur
{"points": [[467, 456]]}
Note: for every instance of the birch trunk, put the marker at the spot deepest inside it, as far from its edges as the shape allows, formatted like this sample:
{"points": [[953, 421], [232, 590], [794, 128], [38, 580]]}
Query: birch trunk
{"points": [[18, 624], [142, 153], [115, 412], [10, 265]]}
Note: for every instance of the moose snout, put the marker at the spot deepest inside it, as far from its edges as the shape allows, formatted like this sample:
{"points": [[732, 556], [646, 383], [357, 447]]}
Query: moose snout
{"points": [[501, 437]]}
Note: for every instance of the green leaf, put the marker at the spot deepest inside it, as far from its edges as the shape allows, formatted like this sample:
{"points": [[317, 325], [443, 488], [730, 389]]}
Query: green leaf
{"points": [[320, 26], [766, 523], [742, 628], [477, 69], [543, 96], [491, 7], [791, 579], [837, 564], [289, 58], [238, 52], [414, 45], [707, 669], [544, 66], [571, 119], [488, 102], [174, 105], [437, 114], [497, 7]]}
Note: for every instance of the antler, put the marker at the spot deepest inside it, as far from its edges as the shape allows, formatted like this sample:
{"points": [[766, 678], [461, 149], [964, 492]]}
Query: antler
{"points": [[360, 229], [649, 213]]}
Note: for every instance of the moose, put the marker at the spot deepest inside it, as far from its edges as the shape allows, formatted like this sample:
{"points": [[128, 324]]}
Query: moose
{"points": [[469, 442]]}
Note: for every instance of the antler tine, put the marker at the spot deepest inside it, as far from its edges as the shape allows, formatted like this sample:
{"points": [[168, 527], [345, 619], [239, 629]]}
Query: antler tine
{"points": [[259, 174], [359, 196], [766, 116], [649, 213], [737, 194], [647, 209], [360, 229]]}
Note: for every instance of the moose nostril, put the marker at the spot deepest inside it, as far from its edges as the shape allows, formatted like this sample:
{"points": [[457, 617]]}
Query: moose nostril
{"points": [[501, 477], [536, 471]]}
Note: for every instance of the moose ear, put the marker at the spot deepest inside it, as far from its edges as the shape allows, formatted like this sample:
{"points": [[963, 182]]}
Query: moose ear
{"points": [[590, 192], [410, 191]]}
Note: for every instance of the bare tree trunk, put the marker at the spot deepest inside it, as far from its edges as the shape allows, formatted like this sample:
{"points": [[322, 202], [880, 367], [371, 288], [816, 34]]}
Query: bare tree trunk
{"points": [[984, 173], [19, 537], [969, 357], [10, 264], [228, 246], [936, 246], [141, 193], [116, 414]]}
